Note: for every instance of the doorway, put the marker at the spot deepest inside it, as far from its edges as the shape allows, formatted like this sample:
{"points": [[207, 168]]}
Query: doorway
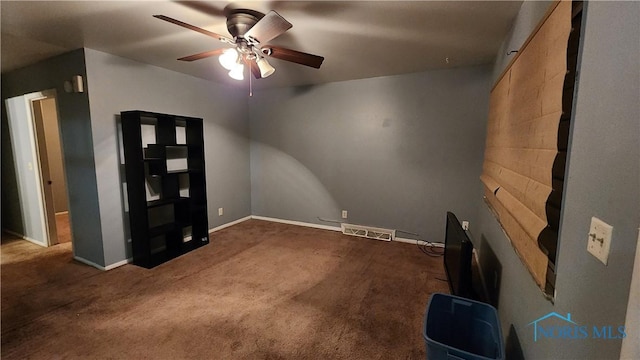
{"points": [[39, 165]]}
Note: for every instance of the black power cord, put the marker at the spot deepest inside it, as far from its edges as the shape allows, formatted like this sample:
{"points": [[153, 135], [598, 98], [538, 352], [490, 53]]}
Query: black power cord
{"points": [[426, 247], [429, 249]]}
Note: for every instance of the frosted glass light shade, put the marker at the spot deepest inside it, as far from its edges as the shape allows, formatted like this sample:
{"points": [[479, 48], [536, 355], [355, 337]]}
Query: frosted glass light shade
{"points": [[237, 72], [265, 68], [229, 59]]}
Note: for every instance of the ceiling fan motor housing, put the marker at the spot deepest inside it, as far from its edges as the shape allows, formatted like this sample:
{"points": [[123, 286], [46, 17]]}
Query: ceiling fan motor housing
{"points": [[251, 30], [239, 21]]}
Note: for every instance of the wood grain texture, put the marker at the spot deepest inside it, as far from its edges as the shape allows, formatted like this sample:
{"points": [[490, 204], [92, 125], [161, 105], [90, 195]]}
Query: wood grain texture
{"points": [[202, 55], [191, 27], [297, 57], [521, 153]]}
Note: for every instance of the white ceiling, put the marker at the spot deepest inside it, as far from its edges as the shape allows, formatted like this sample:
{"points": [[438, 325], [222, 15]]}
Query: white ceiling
{"points": [[359, 39]]}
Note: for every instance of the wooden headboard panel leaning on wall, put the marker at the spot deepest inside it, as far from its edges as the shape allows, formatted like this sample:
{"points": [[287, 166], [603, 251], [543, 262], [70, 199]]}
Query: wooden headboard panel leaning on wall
{"points": [[527, 134]]}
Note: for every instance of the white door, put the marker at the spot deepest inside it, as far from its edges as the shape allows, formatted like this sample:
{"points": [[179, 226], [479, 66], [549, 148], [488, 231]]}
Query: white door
{"points": [[35, 226]]}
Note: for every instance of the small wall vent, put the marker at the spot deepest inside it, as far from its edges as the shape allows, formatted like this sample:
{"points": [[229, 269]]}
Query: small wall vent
{"points": [[368, 232]]}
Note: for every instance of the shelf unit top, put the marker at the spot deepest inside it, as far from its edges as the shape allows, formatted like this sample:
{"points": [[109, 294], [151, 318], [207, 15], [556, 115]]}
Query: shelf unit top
{"points": [[142, 113]]}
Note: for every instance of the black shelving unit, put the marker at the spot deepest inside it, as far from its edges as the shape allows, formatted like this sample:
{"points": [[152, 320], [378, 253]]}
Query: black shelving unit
{"points": [[166, 185]]}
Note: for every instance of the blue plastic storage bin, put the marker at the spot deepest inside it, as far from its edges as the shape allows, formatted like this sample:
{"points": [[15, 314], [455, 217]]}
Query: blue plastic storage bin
{"points": [[459, 328]]}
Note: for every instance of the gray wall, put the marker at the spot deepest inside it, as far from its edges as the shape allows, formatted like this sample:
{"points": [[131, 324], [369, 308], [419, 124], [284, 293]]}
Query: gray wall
{"points": [[396, 152], [75, 127], [602, 180], [116, 84], [530, 14]]}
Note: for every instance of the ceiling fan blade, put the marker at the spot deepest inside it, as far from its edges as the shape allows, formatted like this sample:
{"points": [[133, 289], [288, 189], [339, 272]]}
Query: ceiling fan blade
{"points": [[202, 55], [297, 57], [269, 27], [203, 7], [194, 28]]}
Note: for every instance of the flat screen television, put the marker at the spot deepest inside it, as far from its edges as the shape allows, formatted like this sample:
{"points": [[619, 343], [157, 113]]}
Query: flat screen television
{"points": [[457, 258]]}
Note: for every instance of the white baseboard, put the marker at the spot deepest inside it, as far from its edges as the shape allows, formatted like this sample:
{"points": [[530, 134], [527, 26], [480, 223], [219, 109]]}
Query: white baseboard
{"points": [[336, 228], [25, 238], [119, 263], [235, 222], [90, 263], [297, 223], [419, 242], [130, 260], [100, 267]]}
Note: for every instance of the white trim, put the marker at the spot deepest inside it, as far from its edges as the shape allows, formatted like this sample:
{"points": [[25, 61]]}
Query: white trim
{"points": [[37, 166], [297, 223], [130, 260], [25, 238], [235, 222], [419, 242], [90, 263], [62, 212], [224, 226], [311, 225], [100, 267], [368, 232], [26, 101], [119, 263], [335, 228]]}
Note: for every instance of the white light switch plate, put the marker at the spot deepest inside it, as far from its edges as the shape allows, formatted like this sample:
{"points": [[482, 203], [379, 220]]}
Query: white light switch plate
{"points": [[599, 239]]}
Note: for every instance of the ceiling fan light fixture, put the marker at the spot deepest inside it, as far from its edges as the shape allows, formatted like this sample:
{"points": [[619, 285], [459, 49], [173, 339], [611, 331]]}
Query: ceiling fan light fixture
{"points": [[229, 59], [250, 30], [265, 68], [237, 72]]}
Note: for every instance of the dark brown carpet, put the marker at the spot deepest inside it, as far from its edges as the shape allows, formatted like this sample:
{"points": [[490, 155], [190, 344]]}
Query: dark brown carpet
{"points": [[260, 290]]}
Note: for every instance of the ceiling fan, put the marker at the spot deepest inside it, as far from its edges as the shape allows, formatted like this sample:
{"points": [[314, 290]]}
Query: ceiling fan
{"points": [[250, 31]]}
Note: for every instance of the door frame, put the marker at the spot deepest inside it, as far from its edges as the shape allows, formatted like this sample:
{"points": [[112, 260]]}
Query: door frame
{"points": [[44, 198]]}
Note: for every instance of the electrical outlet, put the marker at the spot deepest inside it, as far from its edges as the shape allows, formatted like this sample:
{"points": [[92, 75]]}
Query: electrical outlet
{"points": [[220, 211], [465, 225], [599, 239], [344, 214]]}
